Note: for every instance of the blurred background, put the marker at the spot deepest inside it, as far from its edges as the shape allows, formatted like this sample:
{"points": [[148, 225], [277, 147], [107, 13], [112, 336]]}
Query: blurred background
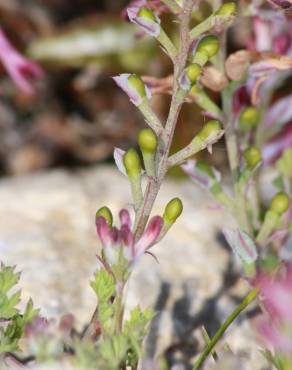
{"points": [[78, 114]]}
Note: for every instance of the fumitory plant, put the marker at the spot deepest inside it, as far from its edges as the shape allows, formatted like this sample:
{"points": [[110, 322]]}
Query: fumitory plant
{"points": [[255, 124]]}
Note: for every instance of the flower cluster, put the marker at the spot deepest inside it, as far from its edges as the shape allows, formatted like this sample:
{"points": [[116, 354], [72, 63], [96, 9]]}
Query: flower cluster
{"points": [[20, 69], [119, 244]]}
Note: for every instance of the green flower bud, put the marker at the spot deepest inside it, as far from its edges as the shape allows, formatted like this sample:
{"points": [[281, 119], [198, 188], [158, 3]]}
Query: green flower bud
{"points": [[279, 203], [227, 9], [106, 213], [138, 85], [252, 157], [204, 167], [172, 211], [193, 72], [147, 13], [132, 163], [249, 118], [209, 130], [209, 45], [147, 141]]}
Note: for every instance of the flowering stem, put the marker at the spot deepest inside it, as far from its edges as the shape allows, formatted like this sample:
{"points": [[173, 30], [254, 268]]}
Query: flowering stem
{"points": [[210, 347], [153, 185]]}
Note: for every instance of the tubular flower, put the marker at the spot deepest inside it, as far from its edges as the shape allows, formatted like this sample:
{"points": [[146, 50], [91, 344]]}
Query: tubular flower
{"points": [[120, 242], [20, 69]]}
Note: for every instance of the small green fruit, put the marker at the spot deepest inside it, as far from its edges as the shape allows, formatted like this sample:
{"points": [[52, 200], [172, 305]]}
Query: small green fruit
{"points": [[147, 141], [227, 9], [249, 118], [105, 212], [252, 157], [209, 45], [210, 129], [132, 163], [279, 203], [172, 211], [137, 84], [193, 72]]}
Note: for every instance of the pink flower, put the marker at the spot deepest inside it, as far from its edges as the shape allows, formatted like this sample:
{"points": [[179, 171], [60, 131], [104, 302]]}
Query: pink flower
{"points": [[275, 290], [20, 69], [276, 293], [273, 337], [282, 4], [155, 5], [116, 242], [274, 148]]}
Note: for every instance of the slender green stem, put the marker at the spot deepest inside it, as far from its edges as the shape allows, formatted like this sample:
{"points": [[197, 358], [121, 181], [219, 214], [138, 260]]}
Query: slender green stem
{"points": [[167, 44], [151, 118], [118, 317], [202, 27], [210, 347]]}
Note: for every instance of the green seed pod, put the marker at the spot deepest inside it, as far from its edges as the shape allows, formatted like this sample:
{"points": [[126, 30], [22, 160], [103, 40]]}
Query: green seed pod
{"points": [[227, 9], [209, 45], [147, 13], [279, 203], [172, 211], [210, 129], [138, 85], [252, 157], [106, 213], [193, 72], [204, 167], [147, 141], [248, 119], [132, 163]]}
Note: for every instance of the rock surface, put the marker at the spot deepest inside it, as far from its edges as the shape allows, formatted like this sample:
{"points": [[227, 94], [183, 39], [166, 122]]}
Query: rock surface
{"points": [[47, 229]]}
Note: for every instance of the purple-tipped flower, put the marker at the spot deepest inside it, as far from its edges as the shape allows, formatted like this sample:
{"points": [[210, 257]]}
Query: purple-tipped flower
{"points": [[279, 114], [276, 292], [274, 148], [283, 4], [20, 69], [134, 87], [146, 19], [276, 295], [242, 245], [119, 160], [117, 242], [202, 174]]}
